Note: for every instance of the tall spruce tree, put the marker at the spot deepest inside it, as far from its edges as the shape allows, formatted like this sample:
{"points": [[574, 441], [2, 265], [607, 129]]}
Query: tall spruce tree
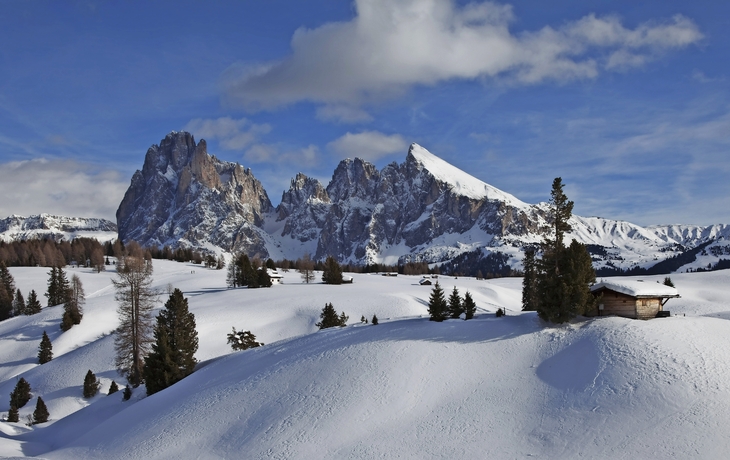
{"points": [[529, 281], [455, 304], [7, 292], [91, 385], [136, 301], [437, 307], [332, 273], [176, 341], [58, 288], [32, 306], [45, 350], [563, 275], [470, 308], [40, 414]]}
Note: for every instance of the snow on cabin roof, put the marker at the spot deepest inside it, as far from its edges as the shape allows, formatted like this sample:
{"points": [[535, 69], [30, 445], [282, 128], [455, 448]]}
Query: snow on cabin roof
{"points": [[637, 288]]}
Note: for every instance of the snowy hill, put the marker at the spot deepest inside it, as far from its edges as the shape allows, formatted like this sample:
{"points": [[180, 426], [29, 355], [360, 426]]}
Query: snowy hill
{"points": [[407, 388], [18, 228]]}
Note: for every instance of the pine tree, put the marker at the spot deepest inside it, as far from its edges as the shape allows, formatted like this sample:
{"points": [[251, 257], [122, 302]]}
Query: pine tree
{"points": [[242, 340], [58, 288], [127, 393], [74, 306], [328, 318], [91, 385], [20, 395], [13, 415], [18, 303], [455, 306], [529, 282], [563, 275], [7, 291], [374, 320], [232, 275], [668, 282], [363, 319], [263, 278], [136, 300], [470, 308], [45, 350], [437, 307], [113, 388], [176, 340], [40, 414], [32, 306], [332, 273]]}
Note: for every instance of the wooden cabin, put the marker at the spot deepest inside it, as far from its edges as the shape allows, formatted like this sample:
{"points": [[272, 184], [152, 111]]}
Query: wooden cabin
{"points": [[636, 299]]}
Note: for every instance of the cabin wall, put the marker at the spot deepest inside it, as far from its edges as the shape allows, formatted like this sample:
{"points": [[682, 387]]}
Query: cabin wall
{"points": [[647, 308], [615, 303]]}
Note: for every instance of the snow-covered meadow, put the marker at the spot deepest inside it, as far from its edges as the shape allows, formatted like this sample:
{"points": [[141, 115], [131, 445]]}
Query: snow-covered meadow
{"points": [[406, 388]]}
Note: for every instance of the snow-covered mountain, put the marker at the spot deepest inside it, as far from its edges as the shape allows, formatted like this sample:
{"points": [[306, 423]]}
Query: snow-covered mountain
{"points": [[18, 228], [423, 210]]}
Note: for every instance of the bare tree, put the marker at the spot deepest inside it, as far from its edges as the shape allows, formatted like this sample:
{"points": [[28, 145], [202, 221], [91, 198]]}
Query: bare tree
{"points": [[306, 268], [136, 301]]}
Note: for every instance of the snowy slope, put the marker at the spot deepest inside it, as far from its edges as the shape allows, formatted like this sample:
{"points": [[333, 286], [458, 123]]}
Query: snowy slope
{"points": [[407, 388]]}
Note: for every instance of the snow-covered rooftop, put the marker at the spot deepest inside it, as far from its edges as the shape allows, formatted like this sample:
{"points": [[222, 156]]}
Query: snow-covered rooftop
{"points": [[637, 288], [463, 183]]}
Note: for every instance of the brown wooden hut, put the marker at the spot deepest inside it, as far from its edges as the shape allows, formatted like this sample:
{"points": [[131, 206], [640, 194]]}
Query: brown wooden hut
{"points": [[630, 298]]}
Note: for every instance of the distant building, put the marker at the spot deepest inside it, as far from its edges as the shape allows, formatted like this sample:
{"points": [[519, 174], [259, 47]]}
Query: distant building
{"points": [[636, 299], [276, 277], [425, 282], [347, 279]]}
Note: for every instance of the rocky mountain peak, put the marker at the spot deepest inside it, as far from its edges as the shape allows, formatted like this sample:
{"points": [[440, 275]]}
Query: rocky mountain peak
{"points": [[302, 189]]}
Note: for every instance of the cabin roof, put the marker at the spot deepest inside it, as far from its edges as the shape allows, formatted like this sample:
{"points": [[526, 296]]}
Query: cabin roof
{"points": [[636, 288]]}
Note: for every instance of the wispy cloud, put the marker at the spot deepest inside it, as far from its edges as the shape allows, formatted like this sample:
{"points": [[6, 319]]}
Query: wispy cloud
{"points": [[63, 187], [368, 145], [230, 133], [392, 45]]}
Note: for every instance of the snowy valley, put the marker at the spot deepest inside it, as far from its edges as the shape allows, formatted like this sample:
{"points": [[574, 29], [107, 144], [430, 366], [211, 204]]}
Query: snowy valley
{"points": [[410, 388]]}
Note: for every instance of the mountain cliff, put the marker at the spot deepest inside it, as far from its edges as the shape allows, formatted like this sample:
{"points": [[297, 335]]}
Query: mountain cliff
{"points": [[422, 210]]}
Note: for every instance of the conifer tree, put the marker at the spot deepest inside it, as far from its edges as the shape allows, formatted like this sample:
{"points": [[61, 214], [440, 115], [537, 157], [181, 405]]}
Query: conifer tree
{"points": [[127, 393], [40, 414], [32, 306], [13, 415], [113, 388], [242, 340], [45, 350], [363, 319], [529, 282], [7, 292], [91, 385], [332, 273], [263, 278], [20, 395], [668, 282], [18, 303], [470, 308], [328, 318], [374, 320], [455, 306], [58, 288], [176, 340], [437, 307], [73, 308]]}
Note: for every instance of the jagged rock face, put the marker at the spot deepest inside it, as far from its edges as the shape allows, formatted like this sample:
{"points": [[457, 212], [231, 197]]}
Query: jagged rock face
{"points": [[183, 196], [368, 210]]}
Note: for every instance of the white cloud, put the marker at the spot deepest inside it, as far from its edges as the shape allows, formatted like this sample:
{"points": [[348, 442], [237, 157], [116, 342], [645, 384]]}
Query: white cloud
{"points": [[230, 133], [393, 44], [276, 154], [343, 114], [368, 145], [62, 187]]}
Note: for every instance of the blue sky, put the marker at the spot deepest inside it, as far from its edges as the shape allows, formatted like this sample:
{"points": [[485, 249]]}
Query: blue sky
{"points": [[628, 102]]}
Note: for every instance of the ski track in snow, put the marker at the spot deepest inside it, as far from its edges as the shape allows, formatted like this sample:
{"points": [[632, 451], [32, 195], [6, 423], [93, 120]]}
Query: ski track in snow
{"points": [[407, 388]]}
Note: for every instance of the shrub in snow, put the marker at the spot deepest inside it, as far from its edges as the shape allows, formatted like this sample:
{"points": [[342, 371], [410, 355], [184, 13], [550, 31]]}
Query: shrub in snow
{"points": [[500, 312], [375, 320], [127, 393], [113, 388], [91, 385], [242, 340], [668, 282], [40, 414], [329, 318]]}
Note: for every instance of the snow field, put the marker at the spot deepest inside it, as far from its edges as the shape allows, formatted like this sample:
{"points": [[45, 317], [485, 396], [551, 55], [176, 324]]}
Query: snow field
{"points": [[407, 388]]}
